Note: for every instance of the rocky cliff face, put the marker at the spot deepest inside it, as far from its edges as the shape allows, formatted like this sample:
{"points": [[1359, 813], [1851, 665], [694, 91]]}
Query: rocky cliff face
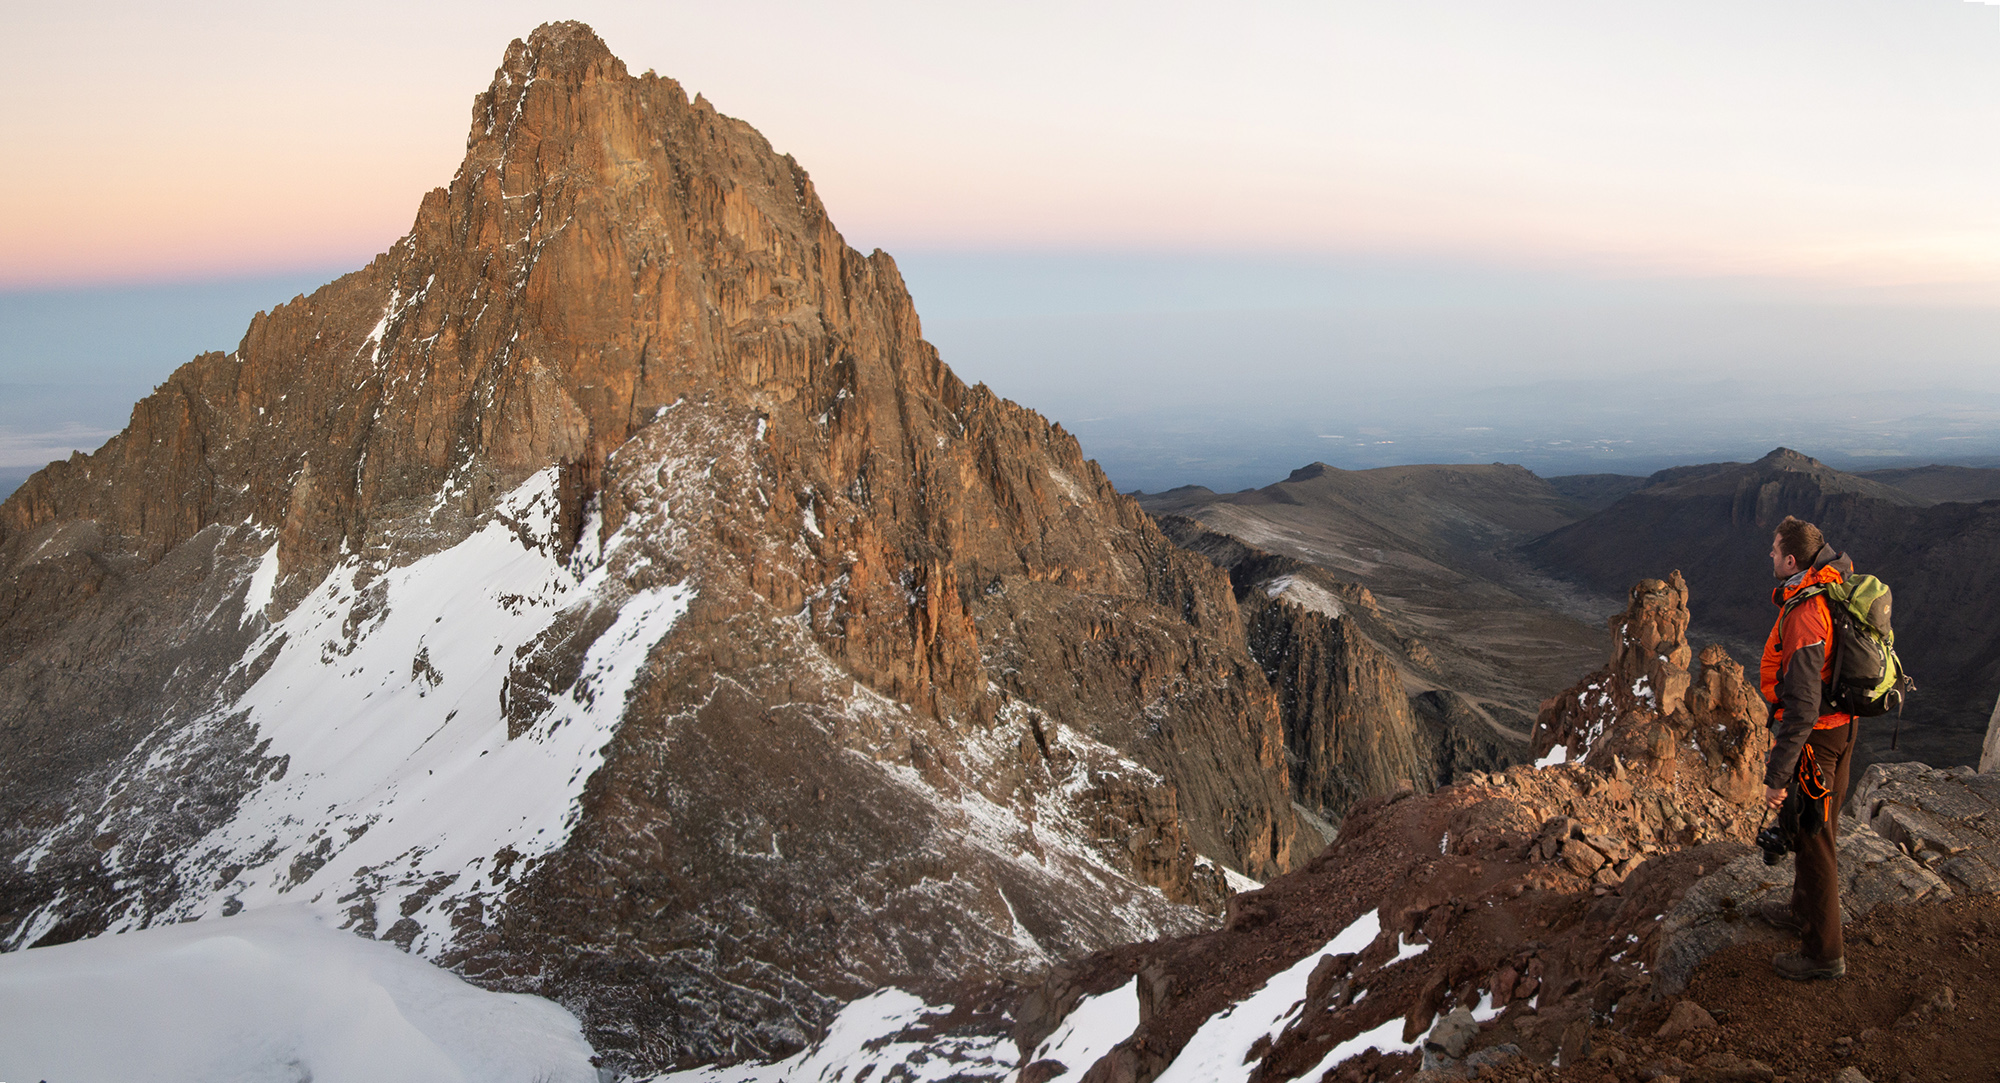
{"points": [[1352, 731], [608, 592], [1347, 719]]}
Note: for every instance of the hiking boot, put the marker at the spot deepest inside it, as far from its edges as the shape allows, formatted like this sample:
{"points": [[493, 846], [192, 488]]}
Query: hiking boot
{"points": [[1796, 966], [1779, 914]]}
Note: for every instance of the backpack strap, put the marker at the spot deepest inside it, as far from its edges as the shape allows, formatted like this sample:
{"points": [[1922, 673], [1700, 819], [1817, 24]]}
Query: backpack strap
{"points": [[1790, 603]]}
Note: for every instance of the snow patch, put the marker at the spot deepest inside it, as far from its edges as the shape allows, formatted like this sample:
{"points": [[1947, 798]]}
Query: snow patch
{"points": [[1090, 1030], [1558, 754], [1217, 1050], [262, 582], [1068, 485], [1235, 881], [1388, 1038], [863, 1043], [275, 995], [1306, 595], [1486, 1009]]}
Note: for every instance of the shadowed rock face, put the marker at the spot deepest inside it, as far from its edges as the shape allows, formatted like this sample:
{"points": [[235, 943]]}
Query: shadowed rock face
{"points": [[1348, 721], [1352, 731], [941, 705]]}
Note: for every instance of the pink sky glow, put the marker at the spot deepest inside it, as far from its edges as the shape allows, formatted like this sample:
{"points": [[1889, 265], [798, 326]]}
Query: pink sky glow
{"points": [[1845, 142]]}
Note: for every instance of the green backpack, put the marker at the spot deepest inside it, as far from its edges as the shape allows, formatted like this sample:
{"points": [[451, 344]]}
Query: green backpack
{"points": [[1868, 679]]}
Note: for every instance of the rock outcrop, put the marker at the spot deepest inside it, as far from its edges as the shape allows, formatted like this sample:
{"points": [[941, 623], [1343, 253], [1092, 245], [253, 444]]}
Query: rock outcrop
{"points": [[1645, 711], [1946, 820], [864, 675]]}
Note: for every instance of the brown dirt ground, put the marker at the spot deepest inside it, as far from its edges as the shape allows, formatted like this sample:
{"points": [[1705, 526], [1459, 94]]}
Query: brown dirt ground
{"points": [[1876, 1020]]}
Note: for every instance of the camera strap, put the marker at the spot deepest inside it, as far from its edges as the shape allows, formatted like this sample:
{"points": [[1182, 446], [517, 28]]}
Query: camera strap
{"points": [[1812, 783]]}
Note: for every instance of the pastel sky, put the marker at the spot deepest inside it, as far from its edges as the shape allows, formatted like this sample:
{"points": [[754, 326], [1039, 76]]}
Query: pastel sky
{"points": [[1216, 241], [1849, 142]]}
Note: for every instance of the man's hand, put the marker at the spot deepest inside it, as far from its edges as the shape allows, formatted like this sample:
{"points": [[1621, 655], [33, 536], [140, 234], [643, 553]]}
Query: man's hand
{"points": [[1774, 797]]}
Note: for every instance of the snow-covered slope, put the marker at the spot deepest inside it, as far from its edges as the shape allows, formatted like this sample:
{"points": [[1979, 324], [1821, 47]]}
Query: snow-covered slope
{"points": [[274, 996], [390, 790], [885, 1036]]}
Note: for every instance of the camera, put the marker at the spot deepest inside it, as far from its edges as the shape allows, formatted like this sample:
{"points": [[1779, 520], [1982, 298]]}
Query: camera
{"points": [[1775, 843]]}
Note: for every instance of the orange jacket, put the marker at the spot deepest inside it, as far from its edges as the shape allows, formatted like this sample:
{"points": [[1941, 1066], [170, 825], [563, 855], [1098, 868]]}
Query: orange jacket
{"points": [[1798, 663]]}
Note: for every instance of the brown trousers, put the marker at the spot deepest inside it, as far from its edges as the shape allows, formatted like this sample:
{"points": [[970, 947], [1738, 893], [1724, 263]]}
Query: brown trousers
{"points": [[1815, 876]]}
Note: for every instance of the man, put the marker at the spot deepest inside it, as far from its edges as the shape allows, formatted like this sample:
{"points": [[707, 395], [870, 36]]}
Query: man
{"points": [[1810, 752]]}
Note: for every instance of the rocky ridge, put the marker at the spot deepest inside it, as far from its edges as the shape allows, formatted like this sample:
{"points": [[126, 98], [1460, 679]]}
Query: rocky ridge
{"points": [[1540, 922], [622, 510]]}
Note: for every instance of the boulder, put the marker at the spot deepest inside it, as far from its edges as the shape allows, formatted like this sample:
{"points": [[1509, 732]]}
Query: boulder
{"points": [[1687, 1016], [1719, 910], [1947, 820]]}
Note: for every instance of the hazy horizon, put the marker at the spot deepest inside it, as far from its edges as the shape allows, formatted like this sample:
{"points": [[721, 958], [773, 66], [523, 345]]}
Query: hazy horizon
{"points": [[1230, 371]]}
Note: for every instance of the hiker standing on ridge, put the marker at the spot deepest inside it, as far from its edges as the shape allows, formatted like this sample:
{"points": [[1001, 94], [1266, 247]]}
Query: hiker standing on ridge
{"points": [[1810, 751]]}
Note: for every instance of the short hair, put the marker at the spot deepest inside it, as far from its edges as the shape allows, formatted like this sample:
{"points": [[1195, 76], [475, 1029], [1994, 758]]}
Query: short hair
{"points": [[1799, 540]]}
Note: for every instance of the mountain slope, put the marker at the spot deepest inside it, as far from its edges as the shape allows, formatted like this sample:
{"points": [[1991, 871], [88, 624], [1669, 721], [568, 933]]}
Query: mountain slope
{"points": [[1960, 484], [608, 593], [1460, 616], [1569, 921]]}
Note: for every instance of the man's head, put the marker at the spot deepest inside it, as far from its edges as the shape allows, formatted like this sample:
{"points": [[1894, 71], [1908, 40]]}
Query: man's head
{"points": [[1794, 546]]}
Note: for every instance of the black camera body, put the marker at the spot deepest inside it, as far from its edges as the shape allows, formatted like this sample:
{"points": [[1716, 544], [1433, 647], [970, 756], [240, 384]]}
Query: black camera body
{"points": [[1775, 842]]}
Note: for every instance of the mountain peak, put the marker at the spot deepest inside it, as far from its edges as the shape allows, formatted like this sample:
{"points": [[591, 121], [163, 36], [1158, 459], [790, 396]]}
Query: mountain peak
{"points": [[624, 418], [566, 54], [555, 49], [1785, 458]]}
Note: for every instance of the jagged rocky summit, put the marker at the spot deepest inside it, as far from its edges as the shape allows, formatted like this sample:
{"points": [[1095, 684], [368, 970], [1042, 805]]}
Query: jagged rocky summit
{"points": [[607, 593]]}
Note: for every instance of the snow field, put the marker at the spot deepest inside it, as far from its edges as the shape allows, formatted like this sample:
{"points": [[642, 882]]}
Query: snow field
{"points": [[1090, 1030], [275, 996], [385, 697]]}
